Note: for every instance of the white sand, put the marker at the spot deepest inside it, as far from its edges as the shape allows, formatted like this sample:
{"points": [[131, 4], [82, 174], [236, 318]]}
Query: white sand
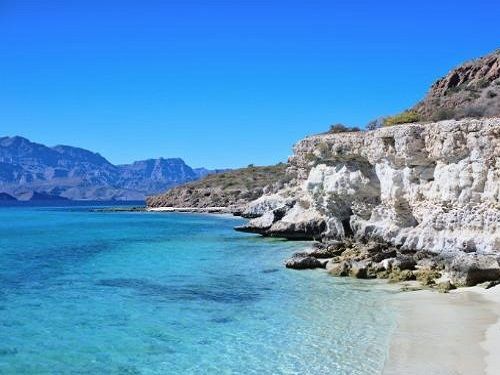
{"points": [[492, 341], [444, 334], [187, 209]]}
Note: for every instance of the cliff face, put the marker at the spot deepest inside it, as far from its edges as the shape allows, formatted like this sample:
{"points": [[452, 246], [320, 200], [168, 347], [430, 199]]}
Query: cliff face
{"points": [[432, 187]]}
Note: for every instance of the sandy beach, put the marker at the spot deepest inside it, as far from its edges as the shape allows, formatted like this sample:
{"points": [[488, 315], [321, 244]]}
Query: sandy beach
{"points": [[446, 334], [210, 210]]}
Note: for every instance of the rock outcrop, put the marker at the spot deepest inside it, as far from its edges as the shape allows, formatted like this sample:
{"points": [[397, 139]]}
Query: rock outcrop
{"points": [[470, 90], [419, 188]]}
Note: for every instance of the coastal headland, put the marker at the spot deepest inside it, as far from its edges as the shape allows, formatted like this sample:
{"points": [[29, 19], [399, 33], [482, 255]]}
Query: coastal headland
{"points": [[416, 201]]}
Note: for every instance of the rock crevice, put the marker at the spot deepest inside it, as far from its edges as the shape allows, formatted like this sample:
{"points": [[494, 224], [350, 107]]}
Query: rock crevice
{"points": [[419, 187]]}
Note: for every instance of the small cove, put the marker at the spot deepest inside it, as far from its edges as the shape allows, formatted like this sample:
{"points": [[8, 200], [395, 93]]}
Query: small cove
{"points": [[150, 293]]}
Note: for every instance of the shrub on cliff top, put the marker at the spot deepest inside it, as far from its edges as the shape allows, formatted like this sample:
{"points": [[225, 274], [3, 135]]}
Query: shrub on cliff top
{"points": [[341, 128], [402, 118]]}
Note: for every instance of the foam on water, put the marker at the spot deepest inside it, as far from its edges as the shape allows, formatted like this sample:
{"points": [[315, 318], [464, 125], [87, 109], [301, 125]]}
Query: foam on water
{"points": [[139, 293]]}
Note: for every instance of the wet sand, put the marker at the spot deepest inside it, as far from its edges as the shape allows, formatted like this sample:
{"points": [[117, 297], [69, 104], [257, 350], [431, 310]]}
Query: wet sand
{"points": [[446, 334]]}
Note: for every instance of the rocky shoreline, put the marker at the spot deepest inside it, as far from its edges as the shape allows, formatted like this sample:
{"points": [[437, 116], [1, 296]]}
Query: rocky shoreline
{"points": [[375, 260], [418, 201], [199, 210], [411, 202]]}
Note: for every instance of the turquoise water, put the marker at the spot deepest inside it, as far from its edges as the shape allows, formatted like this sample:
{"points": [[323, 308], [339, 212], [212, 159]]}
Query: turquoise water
{"points": [[86, 292]]}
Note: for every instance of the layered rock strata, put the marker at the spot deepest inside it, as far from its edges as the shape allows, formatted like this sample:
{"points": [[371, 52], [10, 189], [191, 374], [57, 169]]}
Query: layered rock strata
{"points": [[419, 188]]}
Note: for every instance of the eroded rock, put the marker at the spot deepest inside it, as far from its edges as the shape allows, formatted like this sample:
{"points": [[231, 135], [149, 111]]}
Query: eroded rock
{"points": [[469, 270], [302, 261]]}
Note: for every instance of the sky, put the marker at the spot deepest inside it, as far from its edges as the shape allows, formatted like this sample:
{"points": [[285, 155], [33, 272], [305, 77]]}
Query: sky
{"points": [[222, 83]]}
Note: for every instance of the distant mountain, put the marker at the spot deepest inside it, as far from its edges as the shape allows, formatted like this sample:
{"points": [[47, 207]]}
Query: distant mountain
{"points": [[153, 175], [7, 197], [30, 170], [36, 196]]}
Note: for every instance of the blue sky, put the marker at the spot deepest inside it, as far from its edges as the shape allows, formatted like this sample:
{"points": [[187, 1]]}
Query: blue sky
{"points": [[222, 83]]}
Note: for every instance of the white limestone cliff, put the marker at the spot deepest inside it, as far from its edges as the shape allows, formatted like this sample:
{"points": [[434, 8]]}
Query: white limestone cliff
{"points": [[433, 187]]}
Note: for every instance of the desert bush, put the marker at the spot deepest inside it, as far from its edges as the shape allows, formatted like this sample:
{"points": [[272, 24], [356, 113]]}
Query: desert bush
{"points": [[482, 83], [375, 124], [402, 118], [474, 111], [443, 114], [341, 128], [491, 94]]}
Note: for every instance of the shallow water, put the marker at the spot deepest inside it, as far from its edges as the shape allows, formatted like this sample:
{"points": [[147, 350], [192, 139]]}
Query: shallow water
{"points": [[146, 293]]}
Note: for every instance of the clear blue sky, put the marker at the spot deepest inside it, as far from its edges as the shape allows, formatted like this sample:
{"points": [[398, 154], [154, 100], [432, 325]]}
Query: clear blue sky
{"points": [[222, 83]]}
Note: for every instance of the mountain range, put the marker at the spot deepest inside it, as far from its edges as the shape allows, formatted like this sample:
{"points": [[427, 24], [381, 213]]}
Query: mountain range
{"points": [[30, 171]]}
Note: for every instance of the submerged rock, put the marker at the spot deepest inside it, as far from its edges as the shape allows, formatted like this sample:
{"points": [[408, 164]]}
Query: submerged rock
{"points": [[302, 261]]}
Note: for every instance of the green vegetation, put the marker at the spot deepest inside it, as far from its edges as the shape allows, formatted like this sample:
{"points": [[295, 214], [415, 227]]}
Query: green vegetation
{"points": [[491, 94], [248, 178], [402, 118], [224, 189], [443, 114], [341, 128]]}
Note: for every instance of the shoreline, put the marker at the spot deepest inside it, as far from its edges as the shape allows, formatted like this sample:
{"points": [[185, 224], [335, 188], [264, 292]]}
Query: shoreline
{"points": [[445, 334], [199, 210], [451, 333], [437, 333], [491, 342]]}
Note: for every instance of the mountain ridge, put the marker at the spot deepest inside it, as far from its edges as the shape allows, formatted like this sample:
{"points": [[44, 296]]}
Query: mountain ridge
{"points": [[76, 173]]}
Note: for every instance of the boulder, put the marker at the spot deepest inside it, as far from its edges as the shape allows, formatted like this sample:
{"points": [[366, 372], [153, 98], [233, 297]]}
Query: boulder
{"points": [[428, 264], [302, 261], [445, 286], [384, 254], [338, 268], [327, 250], [360, 270], [427, 277], [472, 269], [404, 262], [398, 276]]}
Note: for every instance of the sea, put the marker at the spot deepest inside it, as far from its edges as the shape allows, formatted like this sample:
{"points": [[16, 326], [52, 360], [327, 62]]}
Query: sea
{"points": [[86, 291]]}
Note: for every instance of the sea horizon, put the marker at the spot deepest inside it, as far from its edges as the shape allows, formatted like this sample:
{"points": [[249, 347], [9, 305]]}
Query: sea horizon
{"points": [[249, 187]]}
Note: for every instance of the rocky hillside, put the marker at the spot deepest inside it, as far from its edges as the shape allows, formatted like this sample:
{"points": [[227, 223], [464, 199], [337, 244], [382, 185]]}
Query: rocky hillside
{"points": [[232, 189], [74, 173], [420, 188], [470, 90]]}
